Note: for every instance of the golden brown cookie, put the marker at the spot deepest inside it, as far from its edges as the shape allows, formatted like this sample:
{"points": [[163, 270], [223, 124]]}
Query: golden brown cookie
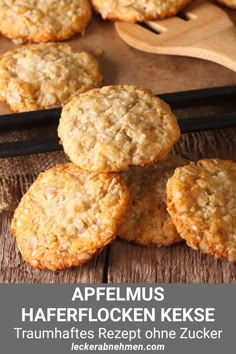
{"points": [[112, 128], [228, 3], [45, 75], [139, 10], [68, 215], [43, 21], [202, 204], [148, 222]]}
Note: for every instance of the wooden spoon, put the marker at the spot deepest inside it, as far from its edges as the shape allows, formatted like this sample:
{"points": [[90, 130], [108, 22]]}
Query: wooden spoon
{"points": [[202, 30]]}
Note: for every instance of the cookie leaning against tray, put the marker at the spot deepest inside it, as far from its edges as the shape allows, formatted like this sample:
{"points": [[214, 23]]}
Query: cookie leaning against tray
{"points": [[114, 127], [201, 201], [139, 10], [148, 222], [45, 75], [43, 21], [68, 215]]}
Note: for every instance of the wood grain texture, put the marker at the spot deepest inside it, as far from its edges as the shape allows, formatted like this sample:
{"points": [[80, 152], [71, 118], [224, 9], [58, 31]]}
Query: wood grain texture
{"points": [[175, 264]]}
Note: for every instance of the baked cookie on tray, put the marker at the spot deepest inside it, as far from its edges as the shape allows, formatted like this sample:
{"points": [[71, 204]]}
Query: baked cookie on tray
{"points": [[228, 3], [201, 201], [43, 21], [139, 10], [112, 128], [45, 75], [68, 215], [148, 222]]}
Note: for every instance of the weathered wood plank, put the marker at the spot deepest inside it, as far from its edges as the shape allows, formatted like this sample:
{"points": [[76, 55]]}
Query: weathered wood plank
{"points": [[177, 264]]}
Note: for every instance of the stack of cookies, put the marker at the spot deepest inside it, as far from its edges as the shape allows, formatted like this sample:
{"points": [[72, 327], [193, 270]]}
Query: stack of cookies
{"points": [[114, 128], [72, 211], [111, 134], [120, 179]]}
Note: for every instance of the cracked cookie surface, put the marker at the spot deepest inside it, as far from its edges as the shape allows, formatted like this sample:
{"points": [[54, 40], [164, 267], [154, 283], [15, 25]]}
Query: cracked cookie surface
{"points": [[148, 222], [45, 75], [43, 21], [68, 215], [112, 128], [139, 10], [202, 204]]}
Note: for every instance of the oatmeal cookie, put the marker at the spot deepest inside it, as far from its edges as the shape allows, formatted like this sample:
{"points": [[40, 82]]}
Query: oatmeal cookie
{"points": [[139, 10], [68, 215], [201, 201], [148, 222], [45, 75], [228, 3], [112, 128], [43, 21]]}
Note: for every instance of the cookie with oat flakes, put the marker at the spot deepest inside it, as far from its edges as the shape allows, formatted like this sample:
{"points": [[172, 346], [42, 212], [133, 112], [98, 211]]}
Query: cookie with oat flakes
{"points": [[112, 128], [139, 10], [148, 222], [43, 21], [202, 204], [68, 215], [45, 75]]}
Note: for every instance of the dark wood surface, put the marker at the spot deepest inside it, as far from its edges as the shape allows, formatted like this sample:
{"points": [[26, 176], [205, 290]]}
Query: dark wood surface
{"points": [[121, 261]]}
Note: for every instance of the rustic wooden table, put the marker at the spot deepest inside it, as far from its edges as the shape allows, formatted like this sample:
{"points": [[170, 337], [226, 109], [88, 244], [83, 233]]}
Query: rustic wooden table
{"points": [[121, 262]]}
